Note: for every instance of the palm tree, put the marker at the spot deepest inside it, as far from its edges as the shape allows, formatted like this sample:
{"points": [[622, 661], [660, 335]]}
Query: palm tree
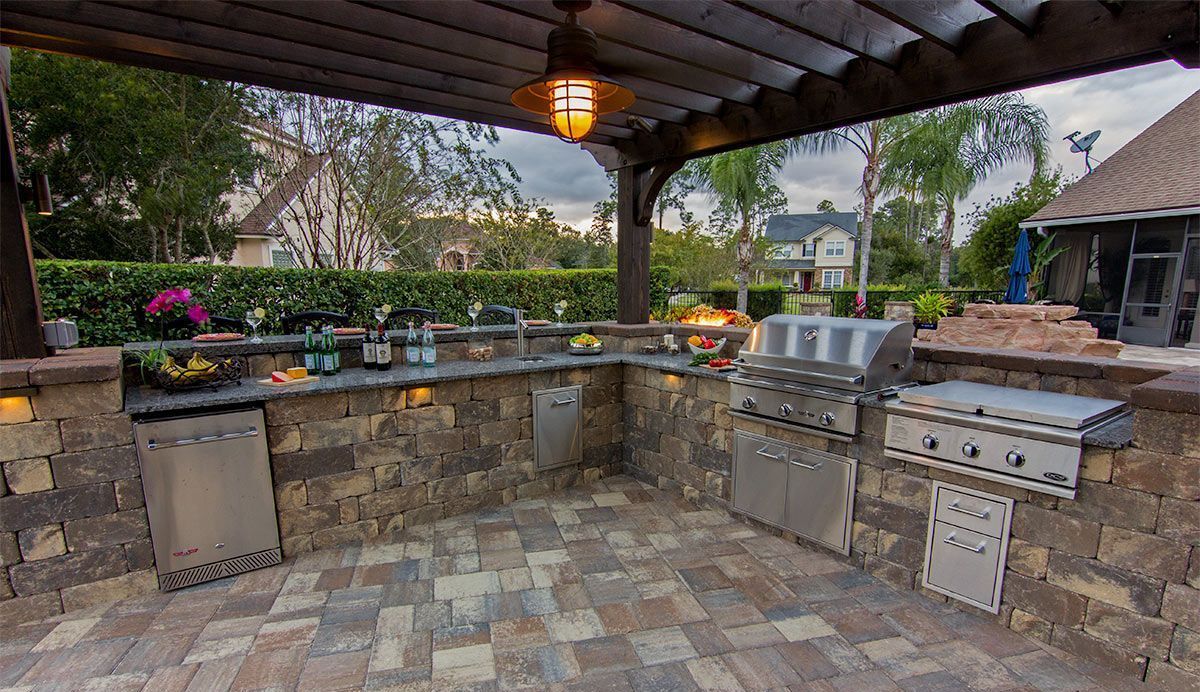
{"points": [[954, 148], [742, 181], [875, 140]]}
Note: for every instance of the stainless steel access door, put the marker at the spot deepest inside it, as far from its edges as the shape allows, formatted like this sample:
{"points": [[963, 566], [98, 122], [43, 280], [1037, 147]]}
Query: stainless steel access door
{"points": [[820, 497], [558, 426], [209, 498], [759, 477]]}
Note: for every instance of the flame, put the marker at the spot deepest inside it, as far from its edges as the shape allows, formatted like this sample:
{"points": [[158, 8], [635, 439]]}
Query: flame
{"points": [[708, 320]]}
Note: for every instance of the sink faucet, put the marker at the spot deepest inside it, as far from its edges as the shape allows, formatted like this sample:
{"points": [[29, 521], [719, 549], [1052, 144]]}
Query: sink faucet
{"points": [[522, 325]]}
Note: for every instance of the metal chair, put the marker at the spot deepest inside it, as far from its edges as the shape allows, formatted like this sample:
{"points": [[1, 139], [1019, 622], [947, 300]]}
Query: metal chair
{"points": [[296, 322], [185, 328], [399, 317], [497, 314]]}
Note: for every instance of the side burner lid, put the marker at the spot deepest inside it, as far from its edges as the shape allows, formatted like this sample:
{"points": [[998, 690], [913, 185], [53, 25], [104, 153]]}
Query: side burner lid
{"points": [[1049, 408]]}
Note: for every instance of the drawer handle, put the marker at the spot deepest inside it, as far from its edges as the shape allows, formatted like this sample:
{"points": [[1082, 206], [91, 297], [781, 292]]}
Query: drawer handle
{"points": [[155, 444], [984, 513], [562, 402], [809, 467], [764, 453], [949, 540]]}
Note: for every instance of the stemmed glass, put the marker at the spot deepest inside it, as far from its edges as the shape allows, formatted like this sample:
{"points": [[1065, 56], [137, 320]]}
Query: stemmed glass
{"points": [[473, 312], [559, 308], [254, 318], [381, 313]]}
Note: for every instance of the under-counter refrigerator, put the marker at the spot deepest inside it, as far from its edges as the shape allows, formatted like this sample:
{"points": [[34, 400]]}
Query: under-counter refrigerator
{"points": [[209, 496]]}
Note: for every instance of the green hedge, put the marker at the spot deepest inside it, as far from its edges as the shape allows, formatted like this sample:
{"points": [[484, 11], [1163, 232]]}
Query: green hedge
{"points": [[761, 299], [108, 299]]}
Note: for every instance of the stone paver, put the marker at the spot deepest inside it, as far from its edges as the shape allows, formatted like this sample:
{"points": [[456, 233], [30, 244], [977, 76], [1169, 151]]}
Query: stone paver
{"points": [[610, 586]]}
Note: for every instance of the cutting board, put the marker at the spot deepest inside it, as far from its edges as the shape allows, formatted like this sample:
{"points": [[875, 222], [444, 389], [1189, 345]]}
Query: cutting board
{"points": [[299, 380]]}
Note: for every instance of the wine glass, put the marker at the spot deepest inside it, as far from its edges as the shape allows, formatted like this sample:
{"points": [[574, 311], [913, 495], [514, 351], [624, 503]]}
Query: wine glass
{"points": [[473, 312], [559, 308], [253, 319]]}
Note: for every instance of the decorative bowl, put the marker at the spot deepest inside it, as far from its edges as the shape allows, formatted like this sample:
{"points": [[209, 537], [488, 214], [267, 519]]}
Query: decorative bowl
{"points": [[585, 350], [696, 350]]}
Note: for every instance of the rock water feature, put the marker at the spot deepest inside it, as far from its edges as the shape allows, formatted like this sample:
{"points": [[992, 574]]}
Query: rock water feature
{"points": [[1047, 328]]}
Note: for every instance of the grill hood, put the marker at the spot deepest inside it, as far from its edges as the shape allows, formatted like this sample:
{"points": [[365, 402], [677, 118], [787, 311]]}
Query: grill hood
{"points": [[858, 355]]}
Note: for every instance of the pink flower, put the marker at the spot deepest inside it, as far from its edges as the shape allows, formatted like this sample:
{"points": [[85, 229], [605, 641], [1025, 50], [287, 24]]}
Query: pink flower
{"points": [[197, 314], [181, 295], [164, 301]]}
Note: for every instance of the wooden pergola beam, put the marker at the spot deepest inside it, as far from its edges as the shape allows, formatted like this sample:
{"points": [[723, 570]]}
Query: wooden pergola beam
{"points": [[20, 300], [1021, 14], [1073, 39]]}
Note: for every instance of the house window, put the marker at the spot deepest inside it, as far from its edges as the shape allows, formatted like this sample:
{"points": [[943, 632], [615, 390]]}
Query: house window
{"points": [[282, 258], [783, 252], [809, 250], [835, 248], [832, 278]]}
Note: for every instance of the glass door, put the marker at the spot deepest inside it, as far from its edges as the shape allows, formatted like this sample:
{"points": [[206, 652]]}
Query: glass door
{"points": [[1152, 281], [1186, 330]]}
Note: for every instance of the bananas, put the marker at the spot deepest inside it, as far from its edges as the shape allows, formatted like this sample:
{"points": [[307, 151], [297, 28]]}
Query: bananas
{"points": [[197, 369]]}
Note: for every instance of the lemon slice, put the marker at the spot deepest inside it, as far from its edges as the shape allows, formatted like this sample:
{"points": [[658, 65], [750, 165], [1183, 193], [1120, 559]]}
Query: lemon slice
{"points": [[386, 308], [260, 313], [478, 305]]}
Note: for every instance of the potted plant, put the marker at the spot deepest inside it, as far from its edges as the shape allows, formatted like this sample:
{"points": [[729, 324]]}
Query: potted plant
{"points": [[929, 307]]}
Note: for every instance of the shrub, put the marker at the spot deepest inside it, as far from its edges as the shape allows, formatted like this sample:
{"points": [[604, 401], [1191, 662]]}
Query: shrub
{"points": [[108, 299], [761, 300]]}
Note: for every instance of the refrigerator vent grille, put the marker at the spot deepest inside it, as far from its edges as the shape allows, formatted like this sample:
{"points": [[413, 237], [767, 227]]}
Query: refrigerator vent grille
{"points": [[216, 570]]}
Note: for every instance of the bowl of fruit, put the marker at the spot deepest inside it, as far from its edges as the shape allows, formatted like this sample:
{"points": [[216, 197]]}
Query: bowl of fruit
{"points": [[585, 345], [703, 344]]}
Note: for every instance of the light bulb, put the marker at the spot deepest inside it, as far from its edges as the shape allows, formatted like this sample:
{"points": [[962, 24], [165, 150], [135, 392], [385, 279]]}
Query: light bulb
{"points": [[573, 108]]}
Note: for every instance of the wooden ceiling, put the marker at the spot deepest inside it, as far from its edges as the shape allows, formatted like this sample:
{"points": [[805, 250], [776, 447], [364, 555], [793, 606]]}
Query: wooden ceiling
{"points": [[709, 75]]}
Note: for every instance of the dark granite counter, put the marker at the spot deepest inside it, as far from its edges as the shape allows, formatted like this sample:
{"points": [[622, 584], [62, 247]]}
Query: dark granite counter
{"points": [[142, 400], [277, 343]]}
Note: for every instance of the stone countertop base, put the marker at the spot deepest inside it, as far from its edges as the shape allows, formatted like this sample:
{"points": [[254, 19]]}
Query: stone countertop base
{"points": [[143, 400]]}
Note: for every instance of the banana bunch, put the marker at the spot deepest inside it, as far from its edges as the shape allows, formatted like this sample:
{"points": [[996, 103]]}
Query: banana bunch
{"points": [[198, 368]]}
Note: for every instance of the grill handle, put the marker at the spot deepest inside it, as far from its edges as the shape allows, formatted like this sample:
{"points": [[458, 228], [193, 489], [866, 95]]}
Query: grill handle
{"points": [[764, 453], [155, 444], [809, 467], [801, 375]]}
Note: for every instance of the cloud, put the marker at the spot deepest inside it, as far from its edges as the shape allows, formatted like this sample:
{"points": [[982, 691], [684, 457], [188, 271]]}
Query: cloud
{"points": [[1121, 104]]}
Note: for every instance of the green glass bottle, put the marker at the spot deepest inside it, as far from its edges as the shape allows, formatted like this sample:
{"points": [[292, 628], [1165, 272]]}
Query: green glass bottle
{"points": [[311, 358], [412, 348], [428, 350], [328, 349]]}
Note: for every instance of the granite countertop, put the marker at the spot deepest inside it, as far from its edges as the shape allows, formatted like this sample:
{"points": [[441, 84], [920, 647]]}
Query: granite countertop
{"points": [[141, 400], [283, 343]]}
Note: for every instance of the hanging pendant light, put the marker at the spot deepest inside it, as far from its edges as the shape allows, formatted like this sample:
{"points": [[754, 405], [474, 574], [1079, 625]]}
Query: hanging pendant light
{"points": [[572, 92]]}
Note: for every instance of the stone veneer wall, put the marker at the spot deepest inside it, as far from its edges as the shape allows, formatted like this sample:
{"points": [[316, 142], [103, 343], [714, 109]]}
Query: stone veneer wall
{"points": [[73, 529], [350, 466], [1112, 576]]}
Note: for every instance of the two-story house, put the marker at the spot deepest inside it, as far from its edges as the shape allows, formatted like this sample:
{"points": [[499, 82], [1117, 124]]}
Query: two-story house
{"points": [[812, 251]]}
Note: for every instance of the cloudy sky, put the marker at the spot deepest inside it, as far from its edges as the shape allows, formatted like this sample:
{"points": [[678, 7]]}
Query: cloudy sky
{"points": [[1121, 104]]}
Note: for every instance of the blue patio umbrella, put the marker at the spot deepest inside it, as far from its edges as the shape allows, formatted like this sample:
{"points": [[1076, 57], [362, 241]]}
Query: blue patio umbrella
{"points": [[1018, 271]]}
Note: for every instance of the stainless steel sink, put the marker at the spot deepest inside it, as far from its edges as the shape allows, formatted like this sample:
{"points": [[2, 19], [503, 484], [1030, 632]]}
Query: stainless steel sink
{"points": [[534, 359]]}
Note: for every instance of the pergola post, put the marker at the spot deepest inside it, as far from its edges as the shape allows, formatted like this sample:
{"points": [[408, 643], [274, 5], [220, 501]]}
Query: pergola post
{"points": [[20, 301], [637, 191]]}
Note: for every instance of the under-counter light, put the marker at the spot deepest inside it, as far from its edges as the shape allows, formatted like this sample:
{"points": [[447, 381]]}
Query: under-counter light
{"points": [[572, 92]]}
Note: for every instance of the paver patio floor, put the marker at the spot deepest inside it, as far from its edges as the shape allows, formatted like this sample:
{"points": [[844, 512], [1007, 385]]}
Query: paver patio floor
{"points": [[611, 586]]}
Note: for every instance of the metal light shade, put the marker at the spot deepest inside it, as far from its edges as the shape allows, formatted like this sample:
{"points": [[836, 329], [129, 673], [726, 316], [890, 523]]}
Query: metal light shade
{"points": [[45, 203], [572, 92]]}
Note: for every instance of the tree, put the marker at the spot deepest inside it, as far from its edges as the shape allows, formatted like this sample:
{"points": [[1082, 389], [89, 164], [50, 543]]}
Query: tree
{"points": [[376, 173], [520, 235], [995, 226], [954, 148], [826, 207], [742, 183], [140, 161], [875, 140], [901, 254]]}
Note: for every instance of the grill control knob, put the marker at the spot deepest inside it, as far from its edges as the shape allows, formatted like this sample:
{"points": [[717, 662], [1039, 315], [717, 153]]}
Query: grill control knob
{"points": [[826, 419], [1014, 458], [785, 410], [970, 450], [930, 441], [749, 402]]}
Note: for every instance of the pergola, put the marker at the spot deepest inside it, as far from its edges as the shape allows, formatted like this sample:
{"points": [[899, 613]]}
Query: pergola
{"points": [[709, 75]]}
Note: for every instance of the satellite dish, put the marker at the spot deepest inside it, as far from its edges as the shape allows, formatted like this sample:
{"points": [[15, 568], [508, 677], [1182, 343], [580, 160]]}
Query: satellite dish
{"points": [[1083, 145]]}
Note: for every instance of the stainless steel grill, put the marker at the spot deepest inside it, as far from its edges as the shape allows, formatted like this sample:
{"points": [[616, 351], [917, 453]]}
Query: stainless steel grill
{"points": [[1030, 439], [812, 373]]}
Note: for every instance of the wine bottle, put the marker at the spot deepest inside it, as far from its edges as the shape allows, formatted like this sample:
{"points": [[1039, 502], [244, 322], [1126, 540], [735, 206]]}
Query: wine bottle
{"points": [[428, 350], [311, 362], [368, 350], [412, 349], [328, 349], [383, 350]]}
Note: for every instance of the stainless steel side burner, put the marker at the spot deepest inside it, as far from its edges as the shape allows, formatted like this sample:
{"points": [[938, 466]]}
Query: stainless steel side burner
{"points": [[1029, 439]]}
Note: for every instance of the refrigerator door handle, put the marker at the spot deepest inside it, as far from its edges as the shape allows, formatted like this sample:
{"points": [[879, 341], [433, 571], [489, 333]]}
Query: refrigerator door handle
{"points": [[155, 444]]}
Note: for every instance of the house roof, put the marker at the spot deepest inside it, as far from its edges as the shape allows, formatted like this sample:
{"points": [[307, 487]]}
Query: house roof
{"points": [[272, 204], [1159, 169], [791, 264], [784, 228]]}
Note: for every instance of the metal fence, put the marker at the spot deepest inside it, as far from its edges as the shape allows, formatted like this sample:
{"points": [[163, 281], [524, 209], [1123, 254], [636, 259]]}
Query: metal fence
{"points": [[763, 302]]}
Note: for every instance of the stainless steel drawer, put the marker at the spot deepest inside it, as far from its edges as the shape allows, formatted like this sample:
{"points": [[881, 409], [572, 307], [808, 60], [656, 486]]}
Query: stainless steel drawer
{"points": [[760, 476], [820, 497], [969, 511], [557, 427], [964, 564]]}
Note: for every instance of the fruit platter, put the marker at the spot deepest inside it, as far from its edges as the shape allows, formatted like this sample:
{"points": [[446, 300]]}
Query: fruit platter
{"points": [[703, 344], [585, 345], [197, 373]]}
